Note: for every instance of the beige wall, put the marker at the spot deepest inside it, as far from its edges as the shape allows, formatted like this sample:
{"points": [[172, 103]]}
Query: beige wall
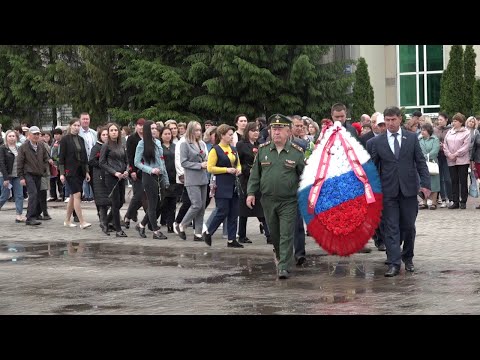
{"points": [[375, 58]]}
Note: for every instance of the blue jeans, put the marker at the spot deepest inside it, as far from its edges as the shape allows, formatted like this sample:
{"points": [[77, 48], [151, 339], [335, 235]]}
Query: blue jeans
{"points": [[87, 190], [18, 193], [445, 181], [210, 218]]}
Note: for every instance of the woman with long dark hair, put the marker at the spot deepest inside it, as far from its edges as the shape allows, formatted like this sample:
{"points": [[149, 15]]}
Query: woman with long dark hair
{"points": [[100, 192], [170, 197], [247, 149], [149, 159], [73, 166], [113, 160]]}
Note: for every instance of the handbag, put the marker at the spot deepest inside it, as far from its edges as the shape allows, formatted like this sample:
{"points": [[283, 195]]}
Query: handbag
{"points": [[473, 188], [433, 168], [53, 170]]}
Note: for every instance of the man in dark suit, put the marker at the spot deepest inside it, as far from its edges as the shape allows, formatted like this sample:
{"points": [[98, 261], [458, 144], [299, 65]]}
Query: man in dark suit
{"points": [[378, 128], [398, 158]]}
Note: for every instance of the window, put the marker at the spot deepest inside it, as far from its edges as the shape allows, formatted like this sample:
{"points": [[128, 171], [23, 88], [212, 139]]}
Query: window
{"points": [[420, 69]]}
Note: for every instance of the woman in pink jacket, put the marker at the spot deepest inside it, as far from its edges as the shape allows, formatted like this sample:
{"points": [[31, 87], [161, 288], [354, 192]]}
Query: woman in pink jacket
{"points": [[456, 148]]}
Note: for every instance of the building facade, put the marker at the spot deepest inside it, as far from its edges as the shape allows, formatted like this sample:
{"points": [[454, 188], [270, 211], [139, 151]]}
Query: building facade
{"points": [[404, 75]]}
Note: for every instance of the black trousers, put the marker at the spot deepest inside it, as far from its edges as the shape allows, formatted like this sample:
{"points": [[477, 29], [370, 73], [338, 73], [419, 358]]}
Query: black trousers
{"points": [[42, 203], [185, 206], [169, 205], [33, 189], [150, 184], [118, 198], [137, 199], [459, 176]]}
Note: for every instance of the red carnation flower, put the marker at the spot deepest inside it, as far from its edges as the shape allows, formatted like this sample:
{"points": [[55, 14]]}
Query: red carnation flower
{"points": [[97, 155], [255, 150], [226, 153], [66, 171], [162, 157], [201, 151]]}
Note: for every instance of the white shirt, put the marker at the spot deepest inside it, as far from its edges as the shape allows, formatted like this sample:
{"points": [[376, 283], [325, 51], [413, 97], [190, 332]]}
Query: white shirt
{"points": [[391, 139], [178, 166], [90, 137]]}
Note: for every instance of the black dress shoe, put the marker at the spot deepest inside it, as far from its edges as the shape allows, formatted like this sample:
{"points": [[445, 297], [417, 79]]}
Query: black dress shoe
{"points": [[76, 219], [170, 229], [182, 234], [269, 240], [454, 206], [234, 244], [141, 231], [32, 222], [301, 260], [409, 266], [197, 238], [46, 217], [382, 247], [245, 240], [127, 223], [392, 271], [105, 230], [365, 250], [159, 235], [207, 238], [463, 206], [121, 234]]}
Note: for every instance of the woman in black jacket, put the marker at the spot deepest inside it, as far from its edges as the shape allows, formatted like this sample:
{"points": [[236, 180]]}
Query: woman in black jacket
{"points": [[113, 160], [169, 198], [100, 192], [247, 149], [73, 166]]}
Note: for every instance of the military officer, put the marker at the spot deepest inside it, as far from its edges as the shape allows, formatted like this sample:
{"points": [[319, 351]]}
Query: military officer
{"points": [[276, 174]]}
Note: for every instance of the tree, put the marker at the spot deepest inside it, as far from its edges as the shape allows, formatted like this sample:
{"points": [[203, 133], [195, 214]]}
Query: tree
{"points": [[363, 98], [265, 79], [476, 98], [453, 85], [469, 76]]}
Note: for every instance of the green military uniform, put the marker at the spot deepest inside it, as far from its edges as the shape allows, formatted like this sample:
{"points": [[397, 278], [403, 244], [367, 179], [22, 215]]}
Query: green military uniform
{"points": [[276, 176]]}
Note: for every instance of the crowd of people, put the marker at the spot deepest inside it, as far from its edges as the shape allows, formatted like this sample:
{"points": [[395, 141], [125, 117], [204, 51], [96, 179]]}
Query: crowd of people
{"points": [[172, 162]]}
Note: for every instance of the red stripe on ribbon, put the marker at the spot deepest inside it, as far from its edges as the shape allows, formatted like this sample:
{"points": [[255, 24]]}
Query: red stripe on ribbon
{"points": [[357, 169], [321, 175]]}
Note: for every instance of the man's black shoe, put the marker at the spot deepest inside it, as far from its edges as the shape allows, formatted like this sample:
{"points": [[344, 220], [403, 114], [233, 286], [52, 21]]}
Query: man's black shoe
{"points": [[392, 271], [170, 229], [46, 217], [32, 222], [381, 247], [197, 238], [245, 240], [234, 244], [207, 238], [409, 266], [301, 260], [463, 206], [365, 250], [269, 240], [76, 219], [121, 234], [454, 206]]}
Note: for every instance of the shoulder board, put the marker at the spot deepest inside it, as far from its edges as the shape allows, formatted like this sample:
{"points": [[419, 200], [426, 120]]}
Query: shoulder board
{"points": [[265, 144], [297, 147]]}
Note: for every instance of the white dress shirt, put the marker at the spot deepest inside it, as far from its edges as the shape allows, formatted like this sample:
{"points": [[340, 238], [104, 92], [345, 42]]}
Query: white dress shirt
{"points": [[391, 139]]}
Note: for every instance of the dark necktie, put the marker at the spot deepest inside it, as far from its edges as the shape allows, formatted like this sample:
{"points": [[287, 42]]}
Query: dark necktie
{"points": [[396, 146]]}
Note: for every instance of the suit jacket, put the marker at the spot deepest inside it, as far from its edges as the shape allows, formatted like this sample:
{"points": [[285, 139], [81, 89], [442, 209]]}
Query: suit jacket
{"points": [[366, 137], [67, 160], [191, 159], [402, 174]]}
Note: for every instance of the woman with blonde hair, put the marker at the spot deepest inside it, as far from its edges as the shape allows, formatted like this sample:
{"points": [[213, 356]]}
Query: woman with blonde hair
{"points": [[193, 155]]}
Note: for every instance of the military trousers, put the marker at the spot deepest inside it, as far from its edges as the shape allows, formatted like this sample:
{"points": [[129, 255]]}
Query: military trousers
{"points": [[281, 217]]}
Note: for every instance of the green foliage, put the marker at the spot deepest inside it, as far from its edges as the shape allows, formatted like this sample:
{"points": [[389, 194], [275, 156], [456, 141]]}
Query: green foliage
{"points": [[476, 98], [469, 76], [363, 98], [452, 99]]}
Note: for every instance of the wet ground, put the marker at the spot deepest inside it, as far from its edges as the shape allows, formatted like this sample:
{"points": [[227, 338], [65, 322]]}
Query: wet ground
{"points": [[54, 270]]}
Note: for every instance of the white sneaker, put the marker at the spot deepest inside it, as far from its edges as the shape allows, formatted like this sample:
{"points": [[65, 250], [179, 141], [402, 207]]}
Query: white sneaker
{"points": [[429, 202], [67, 200], [444, 204]]}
